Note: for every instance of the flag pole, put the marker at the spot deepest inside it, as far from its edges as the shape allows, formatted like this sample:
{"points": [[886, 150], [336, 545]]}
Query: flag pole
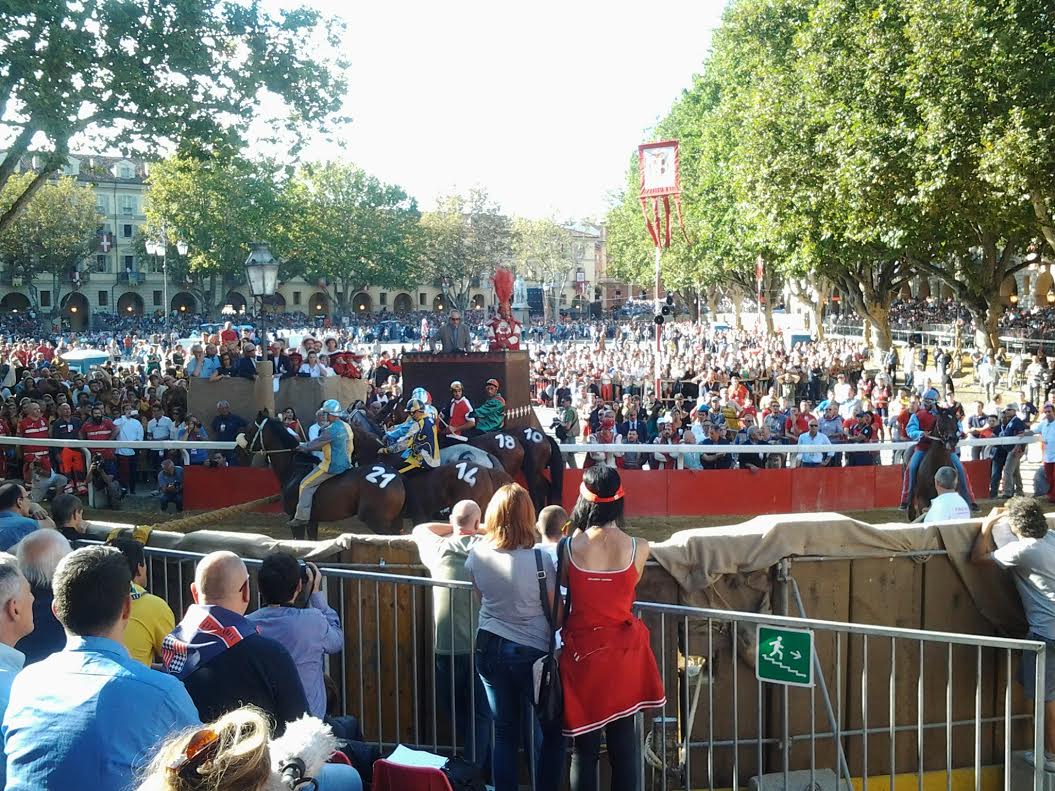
{"points": [[659, 327]]}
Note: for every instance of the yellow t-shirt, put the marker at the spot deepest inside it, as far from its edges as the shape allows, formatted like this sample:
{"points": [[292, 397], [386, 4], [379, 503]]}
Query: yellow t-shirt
{"points": [[150, 621]]}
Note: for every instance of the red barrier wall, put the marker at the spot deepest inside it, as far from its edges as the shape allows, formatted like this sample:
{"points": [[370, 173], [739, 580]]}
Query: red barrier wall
{"points": [[655, 492], [207, 489], [742, 492]]}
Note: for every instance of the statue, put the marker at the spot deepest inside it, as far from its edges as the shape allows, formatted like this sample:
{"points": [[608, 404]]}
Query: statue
{"points": [[520, 293], [503, 332]]}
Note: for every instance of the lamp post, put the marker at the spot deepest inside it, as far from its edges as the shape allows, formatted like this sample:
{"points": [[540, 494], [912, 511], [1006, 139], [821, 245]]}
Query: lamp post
{"points": [[160, 248], [261, 271]]}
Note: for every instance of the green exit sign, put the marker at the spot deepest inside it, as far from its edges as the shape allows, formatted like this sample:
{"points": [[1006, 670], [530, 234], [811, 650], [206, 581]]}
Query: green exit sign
{"points": [[784, 656]]}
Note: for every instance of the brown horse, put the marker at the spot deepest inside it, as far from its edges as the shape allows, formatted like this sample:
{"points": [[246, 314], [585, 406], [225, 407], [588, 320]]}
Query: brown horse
{"points": [[944, 436], [430, 492], [531, 451], [373, 493]]}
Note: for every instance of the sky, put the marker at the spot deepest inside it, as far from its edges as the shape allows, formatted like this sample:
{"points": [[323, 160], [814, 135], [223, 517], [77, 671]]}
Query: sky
{"points": [[541, 103]]}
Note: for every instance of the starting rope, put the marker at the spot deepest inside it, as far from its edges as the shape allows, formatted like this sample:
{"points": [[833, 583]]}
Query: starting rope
{"points": [[186, 524]]}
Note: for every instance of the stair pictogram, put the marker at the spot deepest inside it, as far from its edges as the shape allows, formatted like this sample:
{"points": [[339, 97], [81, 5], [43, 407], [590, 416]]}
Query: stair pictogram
{"points": [[784, 667]]}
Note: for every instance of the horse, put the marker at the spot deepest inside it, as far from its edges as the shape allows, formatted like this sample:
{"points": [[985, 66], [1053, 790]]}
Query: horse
{"points": [[374, 494], [432, 491], [945, 435], [531, 451]]}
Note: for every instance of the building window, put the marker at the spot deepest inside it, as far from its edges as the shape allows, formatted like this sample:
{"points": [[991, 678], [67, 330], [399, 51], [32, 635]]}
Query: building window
{"points": [[296, 297], [102, 262], [126, 231], [102, 204], [157, 299], [127, 204], [130, 263], [421, 298], [383, 298], [103, 299], [45, 299], [126, 172]]}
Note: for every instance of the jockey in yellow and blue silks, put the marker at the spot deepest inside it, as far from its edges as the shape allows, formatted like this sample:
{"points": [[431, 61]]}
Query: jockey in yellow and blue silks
{"points": [[397, 433], [335, 442], [420, 446]]}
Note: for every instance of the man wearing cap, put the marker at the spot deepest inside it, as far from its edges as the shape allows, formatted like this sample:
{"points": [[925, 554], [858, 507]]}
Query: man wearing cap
{"points": [[1006, 458], [918, 428], [335, 442], [452, 336], [491, 415], [457, 412]]}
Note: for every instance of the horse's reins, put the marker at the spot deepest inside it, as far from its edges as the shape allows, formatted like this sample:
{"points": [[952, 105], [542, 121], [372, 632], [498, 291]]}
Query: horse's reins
{"points": [[260, 437]]}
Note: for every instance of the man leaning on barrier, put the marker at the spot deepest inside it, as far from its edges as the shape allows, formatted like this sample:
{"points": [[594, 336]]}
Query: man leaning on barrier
{"points": [[1031, 560]]}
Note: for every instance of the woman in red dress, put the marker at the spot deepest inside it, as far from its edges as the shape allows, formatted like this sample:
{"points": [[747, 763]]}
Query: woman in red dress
{"points": [[602, 638]]}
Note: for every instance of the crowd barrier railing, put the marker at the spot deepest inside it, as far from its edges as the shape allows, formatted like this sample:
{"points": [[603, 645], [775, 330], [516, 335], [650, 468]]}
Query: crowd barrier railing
{"points": [[881, 706]]}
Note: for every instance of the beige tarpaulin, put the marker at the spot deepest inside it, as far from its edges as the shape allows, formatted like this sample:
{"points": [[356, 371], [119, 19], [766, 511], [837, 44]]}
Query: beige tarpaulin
{"points": [[698, 558]]}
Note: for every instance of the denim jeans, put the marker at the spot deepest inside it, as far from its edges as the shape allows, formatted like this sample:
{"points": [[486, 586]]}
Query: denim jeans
{"points": [[913, 466], [505, 668], [622, 747], [478, 750]]}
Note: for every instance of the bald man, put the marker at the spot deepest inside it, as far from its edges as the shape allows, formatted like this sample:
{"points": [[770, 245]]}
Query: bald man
{"points": [[219, 656], [443, 548]]}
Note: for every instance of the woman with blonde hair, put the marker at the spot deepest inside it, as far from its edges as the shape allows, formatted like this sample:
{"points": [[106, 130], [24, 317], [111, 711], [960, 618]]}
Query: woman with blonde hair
{"points": [[235, 753], [514, 632]]}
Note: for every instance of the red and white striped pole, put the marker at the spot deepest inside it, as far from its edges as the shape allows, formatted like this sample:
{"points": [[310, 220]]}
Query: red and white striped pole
{"points": [[659, 327]]}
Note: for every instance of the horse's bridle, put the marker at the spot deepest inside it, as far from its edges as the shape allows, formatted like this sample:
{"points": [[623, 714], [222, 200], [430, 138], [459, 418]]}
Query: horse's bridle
{"points": [[260, 437]]}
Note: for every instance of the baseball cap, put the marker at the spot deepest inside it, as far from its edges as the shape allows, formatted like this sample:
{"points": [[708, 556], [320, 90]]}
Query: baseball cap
{"points": [[491, 381]]}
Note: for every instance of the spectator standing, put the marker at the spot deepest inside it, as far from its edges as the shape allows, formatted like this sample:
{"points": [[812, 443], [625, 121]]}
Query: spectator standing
{"points": [[602, 638], [976, 423], [160, 428], [453, 336], [170, 485], [1046, 429], [245, 366], [150, 619], [38, 556], [813, 437], [226, 427], [218, 654], [16, 621], [1031, 560], [16, 521], [100, 428], [89, 715], [443, 548], [129, 429], [68, 515], [514, 632], [308, 633], [70, 459], [1006, 458], [33, 425], [948, 505]]}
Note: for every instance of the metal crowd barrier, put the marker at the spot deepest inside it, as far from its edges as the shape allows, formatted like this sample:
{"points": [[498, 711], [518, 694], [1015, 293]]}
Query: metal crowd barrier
{"points": [[882, 705]]}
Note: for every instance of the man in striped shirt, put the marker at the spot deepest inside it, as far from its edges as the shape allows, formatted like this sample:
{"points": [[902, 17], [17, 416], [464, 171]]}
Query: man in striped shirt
{"points": [[33, 426]]}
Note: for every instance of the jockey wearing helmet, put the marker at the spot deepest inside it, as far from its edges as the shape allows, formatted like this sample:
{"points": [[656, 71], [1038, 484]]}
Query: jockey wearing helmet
{"points": [[335, 442], [420, 447], [919, 428], [399, 432]]}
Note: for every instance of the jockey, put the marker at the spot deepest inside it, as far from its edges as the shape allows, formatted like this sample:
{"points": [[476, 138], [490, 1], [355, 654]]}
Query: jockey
{"points": [[489, 416], [919, 427], [457, 414], [420, 447], [397, 433], [335, 442]]}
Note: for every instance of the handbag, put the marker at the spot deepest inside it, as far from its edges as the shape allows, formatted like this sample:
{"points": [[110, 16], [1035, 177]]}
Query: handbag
{"points": [[549, 695], [463, 776]]}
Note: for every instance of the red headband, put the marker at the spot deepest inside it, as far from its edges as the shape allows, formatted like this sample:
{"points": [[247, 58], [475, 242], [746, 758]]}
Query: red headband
{"points": [[586, 494]]}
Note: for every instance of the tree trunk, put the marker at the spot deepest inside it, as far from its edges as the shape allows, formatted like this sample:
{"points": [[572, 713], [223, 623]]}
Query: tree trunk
{"points": [[987, 333], [866, 327], [879, 317], [767, 313], [738, 319], [1044, 216]]}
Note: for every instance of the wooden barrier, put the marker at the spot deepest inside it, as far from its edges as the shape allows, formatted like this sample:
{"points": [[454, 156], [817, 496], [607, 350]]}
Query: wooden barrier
{"points": [[659, 492]]}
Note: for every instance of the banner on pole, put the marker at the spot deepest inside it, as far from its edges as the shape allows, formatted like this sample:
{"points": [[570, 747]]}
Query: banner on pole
{"points": [[658, 164]]}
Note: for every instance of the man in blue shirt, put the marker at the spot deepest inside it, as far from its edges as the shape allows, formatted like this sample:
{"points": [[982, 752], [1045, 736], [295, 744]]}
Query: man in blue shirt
{"points": [[16, 621], [170, 485], [90, 715], [15, 523], [1006, 458]]}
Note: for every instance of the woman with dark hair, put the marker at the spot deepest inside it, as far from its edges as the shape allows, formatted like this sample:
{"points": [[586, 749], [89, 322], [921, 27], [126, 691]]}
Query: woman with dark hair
{"points": [[602, 638], [226, 369]]}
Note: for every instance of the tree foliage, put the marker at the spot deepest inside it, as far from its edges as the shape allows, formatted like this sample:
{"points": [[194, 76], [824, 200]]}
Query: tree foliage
{"points": [[218, 206], [348, 230], [545, 252], [139, 74], [862, 144], [53, 232], [464, 240]]}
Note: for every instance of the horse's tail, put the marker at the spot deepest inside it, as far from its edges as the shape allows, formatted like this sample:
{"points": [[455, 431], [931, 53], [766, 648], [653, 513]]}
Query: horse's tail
{"points": [[556, 472], [528, 466]]}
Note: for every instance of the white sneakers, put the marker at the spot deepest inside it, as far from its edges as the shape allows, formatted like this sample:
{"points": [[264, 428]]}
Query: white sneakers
{"points": [[1049, 760]]}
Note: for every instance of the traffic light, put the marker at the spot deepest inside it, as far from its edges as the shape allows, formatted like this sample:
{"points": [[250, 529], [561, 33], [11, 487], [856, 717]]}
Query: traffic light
{"points": [[668, 306], [659, 310]]}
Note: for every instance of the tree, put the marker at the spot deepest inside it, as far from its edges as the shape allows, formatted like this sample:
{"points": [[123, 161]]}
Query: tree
{"points": [[218, 206], [54, 231], [348, 230], [546, 252], [142, 74], [464, 239]]}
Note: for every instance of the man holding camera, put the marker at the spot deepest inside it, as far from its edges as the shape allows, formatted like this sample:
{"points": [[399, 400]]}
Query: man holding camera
{"points": [[297, 615], [170, 485]]}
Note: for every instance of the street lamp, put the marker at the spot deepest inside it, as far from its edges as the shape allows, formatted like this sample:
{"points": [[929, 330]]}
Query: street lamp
{"points": [[160, 248], [261, 270]]}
